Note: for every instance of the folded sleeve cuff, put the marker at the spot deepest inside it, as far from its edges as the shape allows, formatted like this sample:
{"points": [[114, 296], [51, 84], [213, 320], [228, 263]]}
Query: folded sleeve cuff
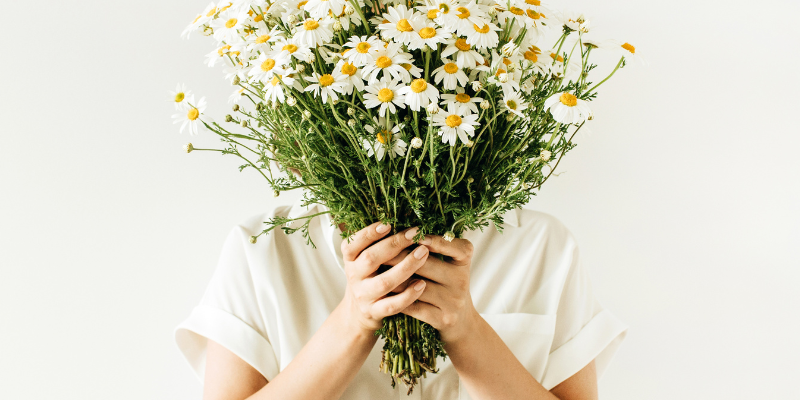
{"points": [[230, 332], [599, 340]]}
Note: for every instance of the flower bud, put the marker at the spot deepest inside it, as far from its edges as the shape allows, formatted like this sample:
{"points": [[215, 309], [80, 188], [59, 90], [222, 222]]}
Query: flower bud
{"points": [[449, 236], [307, 114], [301, 68], [253, 239], [503, 78], [228, 118], [470, 180], [349, 9], [236, 80], [351, 123], [259, 106], [469, 144], [407, 118], [433, 108], [486, 105], [310, 58], [188, 148], [351, 111], [208, 31], [509, 49], [416, 143], [337, 26], [510, 117], [545, 155], [291, 18], [477, 86], [244, 123], [235, 107], [291, 101]]}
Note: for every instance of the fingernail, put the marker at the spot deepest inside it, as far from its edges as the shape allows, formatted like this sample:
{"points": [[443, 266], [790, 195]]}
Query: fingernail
{"points": [[411, 232], [419, 285], [420, 252], [382, 228]]}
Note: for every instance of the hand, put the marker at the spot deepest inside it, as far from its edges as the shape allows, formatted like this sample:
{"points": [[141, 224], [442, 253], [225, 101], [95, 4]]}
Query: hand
{"points": [[446, 303], [366, 290]]}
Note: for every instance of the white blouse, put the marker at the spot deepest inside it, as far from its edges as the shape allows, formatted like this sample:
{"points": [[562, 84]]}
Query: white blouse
{"points": [[266, 300]]}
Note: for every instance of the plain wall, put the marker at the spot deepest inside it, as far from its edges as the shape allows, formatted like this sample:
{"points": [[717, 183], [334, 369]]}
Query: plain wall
{"points": [[684, 198]]}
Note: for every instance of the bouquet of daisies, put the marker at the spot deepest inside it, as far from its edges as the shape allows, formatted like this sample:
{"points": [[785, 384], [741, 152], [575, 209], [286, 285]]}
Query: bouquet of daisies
{"points": [[441, 114]]}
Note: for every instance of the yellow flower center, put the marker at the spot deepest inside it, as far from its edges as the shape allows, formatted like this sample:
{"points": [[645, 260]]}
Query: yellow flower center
{"points": [[533, 2], [211, 12], [179, 97], [385, 95], [383, 62], [235, 53], [464, 13], [419, 85], [500, 71], [310, 25], [259, 18], [301, 4], [506, 61], [267, 65], [222, 50], [404, 26], [568, 100], [363, 47], [231, 23], [531, 56], [453, 121], [290, 48], [263, 39], [445, 8], [451, 68], [383, 136], [432, 13], [511, 104], [462, 45], [629, 47], [533, 14], [198, 17], [326, 80], [556, 57], [478, 29], [193, 114], [275, 80], [427, 33], [463, 98], [407, 67], [349, 69], [516, 11], [226, 7]]}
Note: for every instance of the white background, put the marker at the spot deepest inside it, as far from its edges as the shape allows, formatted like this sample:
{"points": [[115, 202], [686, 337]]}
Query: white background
{"points": [[684, 198]]}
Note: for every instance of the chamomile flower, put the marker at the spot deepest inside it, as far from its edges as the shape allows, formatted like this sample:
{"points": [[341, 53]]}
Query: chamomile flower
{"points": [[201, 19], [324, 86], [349, 75], [513, 102], [388, 60], [483, 36], [575, 21], [384, 94], [567, 109], [466, 56], [384, 138], [273, 90], [320, 8], [219, 55], [413, 70], [180, 97], [467, 15], [190, 116], [400, 24], [291, 48], [446, 14], [428, 35], [451, 75], [236, 97], [455, 122], [629, 51], [227, 25], [419, 94], [266, 66], [511, 13], [462, 99], [262, 39], [359, 53], [313, 32]]}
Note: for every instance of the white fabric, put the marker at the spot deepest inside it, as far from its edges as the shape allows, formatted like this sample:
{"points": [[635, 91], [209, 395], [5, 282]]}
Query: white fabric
{"points": [[266, 300]]}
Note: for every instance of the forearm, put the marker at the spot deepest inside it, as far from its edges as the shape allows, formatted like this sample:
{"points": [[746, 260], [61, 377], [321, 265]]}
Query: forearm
{"points": [[327, 363], [488, 368]]}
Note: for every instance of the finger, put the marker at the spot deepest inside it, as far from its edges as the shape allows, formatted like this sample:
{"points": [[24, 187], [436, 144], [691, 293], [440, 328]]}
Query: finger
{"points": [[460, 250], [352, 249], [391, 305], [435, 294], [386, 249], [424, 312], [437, 270], [398, 258], [379, 285]]}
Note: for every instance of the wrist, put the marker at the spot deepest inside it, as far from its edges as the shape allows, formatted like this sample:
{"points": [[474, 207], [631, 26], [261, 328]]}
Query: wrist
{"points": [[470, 327], [348, 318]]}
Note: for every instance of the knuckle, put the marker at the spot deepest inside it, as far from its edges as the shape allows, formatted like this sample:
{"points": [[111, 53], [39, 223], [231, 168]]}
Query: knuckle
{"points": [[469, 248], [383, 284], [397, 242], [447, 321], [391, 309], [368, 256]]}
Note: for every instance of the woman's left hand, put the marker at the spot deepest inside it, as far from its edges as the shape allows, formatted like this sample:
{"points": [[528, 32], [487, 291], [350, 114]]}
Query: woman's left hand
{"points": [[445, 303]]}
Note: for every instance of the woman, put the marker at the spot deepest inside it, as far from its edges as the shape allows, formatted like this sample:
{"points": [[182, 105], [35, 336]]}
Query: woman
{"points": [[283, 320]]}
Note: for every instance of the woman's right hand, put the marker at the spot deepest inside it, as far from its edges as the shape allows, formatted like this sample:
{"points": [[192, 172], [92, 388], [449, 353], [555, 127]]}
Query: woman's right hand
{"points": [[366, 288]]}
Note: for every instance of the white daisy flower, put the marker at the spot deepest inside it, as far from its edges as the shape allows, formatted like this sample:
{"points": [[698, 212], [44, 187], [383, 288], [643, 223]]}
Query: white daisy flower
{"points": [[227, 25], [556, 64], [413, 70], [202, 19], [466, 57], [219, 55], [451, 75], [428, 35], [384, 137], [314, 33], [468, 14], [359, 49], [514, 103], [239, 69], [266, 66], [567, 109], [384, 93], [629, 51], [273, 90], [400, 24], [483, 37], [320, 8], [190, 116], [462, 99], [575, 21], [446, 14], [325, 86], [292, 48], [455, 122], [506, 15], [180, 96], [389, 60], [236, 97], [419, 94], [262, 39], [349, 75]]}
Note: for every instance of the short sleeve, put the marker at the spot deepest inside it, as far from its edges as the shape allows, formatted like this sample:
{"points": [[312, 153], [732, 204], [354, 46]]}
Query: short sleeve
{"points": [[229, 314], [584, 330]]}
